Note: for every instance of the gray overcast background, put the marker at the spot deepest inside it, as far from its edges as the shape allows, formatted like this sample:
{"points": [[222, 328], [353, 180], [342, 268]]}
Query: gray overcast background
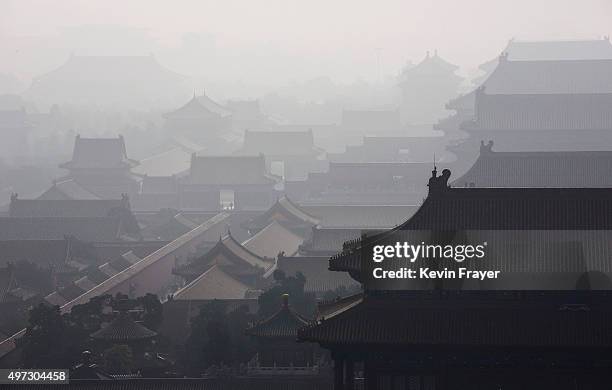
{"points": [[273, 42]]}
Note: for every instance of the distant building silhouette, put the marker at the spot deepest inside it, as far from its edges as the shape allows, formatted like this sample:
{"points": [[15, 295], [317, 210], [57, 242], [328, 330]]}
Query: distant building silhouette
{"points": [[101, 167], [426, 87], [108, 81]]}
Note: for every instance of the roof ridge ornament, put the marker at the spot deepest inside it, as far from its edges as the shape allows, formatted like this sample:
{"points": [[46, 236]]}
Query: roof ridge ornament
{"points": [[486, 148], [438, 184]]}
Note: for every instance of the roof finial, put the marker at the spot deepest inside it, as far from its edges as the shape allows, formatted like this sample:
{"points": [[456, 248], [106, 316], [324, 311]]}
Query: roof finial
{"points": [[434, 173]]}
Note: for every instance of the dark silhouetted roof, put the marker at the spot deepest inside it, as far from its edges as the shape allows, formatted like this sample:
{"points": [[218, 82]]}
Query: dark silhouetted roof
{"points": [[501, 209], [40, 252], [123, 329], [424, 322], [283, 323], [539, 169], [92, 229], [515, 208]]}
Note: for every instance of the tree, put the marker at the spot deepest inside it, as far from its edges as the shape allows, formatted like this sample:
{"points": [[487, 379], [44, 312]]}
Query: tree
{"points": [[118, 359], [53, 340], [208, 341], [153, 311], [217, 338], [302, 302], [46, 339]]}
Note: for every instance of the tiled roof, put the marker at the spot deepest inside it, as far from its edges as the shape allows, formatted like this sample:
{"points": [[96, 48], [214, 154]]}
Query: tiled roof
{"points": [[329, 309], [430, 66], [67, 189], [213, 284], [319, 279], [55, 299], [231, 256], [85, 283], [328, 241], [595, 49], [244, 109], [228, 170], [405, 321], [198, 107], [464, 102], [119, 277], [272, 240], [376, 173], [283, 323], [66, 207], [550, 77], [71, 291], [123, 329], [174, 161], [110, 251], [109, 68], [277, 143], [515, 208], [92, 229], [539, 169], [563, 212], [371, 120], [108, 270], [286, 212], [360, 216], [131, 257], [99, 153], [554, 111], [385, 148], [40, 252], [159, 184]]}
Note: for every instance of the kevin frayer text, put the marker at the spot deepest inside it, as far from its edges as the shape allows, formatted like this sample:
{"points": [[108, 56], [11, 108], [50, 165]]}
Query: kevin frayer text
{"points": [[413, 252]]}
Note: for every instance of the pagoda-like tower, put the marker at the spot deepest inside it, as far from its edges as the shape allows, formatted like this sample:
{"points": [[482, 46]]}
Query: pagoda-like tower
{"points": [[277, 344], [102, 167], [426, 87]]}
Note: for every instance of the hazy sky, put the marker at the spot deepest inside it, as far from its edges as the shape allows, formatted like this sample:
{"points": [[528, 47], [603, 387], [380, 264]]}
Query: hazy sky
{"points": [[275, 41]]}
